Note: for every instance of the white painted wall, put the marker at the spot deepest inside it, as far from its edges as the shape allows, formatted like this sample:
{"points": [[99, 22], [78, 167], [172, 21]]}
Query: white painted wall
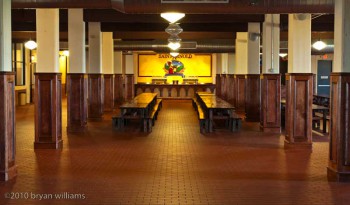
{"points": [[118, 62], [231, 63], [241, 53], [107, 53], [95, 47], [5, 36]]}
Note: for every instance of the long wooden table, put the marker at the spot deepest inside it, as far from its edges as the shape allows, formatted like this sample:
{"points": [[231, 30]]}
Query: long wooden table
{"points": [[323, 110], [141, 106], [213, 103]]}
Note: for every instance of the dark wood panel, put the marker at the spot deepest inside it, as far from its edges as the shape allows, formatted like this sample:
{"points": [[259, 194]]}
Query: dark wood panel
{"points": [[48, 111], [77, 102], [218, 84], [223, 86], [252, 98], [231, 89], [118, 88], [299, 88], [339, 153], [271, 103], [129, 92], [96, 97], [8, 169], [241, 91], [108, 92]]}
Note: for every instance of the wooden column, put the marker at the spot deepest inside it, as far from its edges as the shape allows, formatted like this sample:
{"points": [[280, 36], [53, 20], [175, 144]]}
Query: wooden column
{"points": [[96, 97], [218, 85], [231, 88], [223, 86], [271, 103], [77, 102], [109, 92], [129, 87], [241, 91], [339, 145], [299, 110], [8, 169], [48, 113], [252, 98], [118, 88]]}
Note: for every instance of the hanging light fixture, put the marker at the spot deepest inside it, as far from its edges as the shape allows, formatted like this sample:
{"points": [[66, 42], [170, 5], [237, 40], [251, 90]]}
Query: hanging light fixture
{"points": [[66, 53], [174, 46], [172, 17], [31, 45], [319, 45], [282, 55], [174, 42], [174, 54], [173, 29]]}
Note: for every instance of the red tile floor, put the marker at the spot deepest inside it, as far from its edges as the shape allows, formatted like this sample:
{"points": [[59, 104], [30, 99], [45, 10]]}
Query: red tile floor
{"points": [[174, 164]]}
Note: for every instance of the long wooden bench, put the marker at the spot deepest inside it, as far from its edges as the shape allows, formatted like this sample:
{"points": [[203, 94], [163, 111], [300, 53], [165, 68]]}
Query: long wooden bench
{"points": [[202, 119], [235, 122]]}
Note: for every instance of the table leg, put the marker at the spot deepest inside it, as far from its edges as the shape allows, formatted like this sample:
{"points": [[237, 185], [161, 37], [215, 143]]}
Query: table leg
{"points": [[324, 121]]}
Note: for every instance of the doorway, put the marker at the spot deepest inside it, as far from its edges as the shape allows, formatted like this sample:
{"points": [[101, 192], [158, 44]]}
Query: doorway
{"points": [[324, 69]]}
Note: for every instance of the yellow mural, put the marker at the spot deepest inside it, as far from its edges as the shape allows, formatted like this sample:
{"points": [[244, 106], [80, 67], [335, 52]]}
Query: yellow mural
{"points": [[183, 66]]}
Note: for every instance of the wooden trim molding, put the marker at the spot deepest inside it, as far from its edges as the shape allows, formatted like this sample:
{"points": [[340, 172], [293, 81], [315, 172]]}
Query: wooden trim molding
{"points": [[129, 91], [48, 111], [299, 110], [118, 88], [96, 97], [77, 85], [240, 92], [252, 98], [271, 103], [339, 145], [108, 92], [8, 168]]}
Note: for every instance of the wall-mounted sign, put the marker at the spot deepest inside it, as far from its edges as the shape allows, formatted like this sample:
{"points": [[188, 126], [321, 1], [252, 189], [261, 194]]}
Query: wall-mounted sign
{"points": [[324, 77], [184, 65]]}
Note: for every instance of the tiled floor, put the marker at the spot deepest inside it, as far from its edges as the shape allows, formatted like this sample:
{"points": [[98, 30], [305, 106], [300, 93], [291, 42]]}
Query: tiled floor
{"points": [[174, 164]]}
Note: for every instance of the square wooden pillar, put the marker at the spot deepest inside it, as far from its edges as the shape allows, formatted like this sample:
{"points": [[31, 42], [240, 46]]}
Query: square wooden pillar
{"points": [[108, 92], [299, 110], [8, 169], [218, 84], [270, 103], [339, 145], [77, 84], [48, 111], [96, 97], [118, 88], [240, 92], [129, 87], [252, 98], [231, 89]]}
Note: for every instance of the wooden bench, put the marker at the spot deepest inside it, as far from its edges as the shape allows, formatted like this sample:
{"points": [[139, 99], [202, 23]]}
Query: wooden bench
{"points": [[151, 120], [202, 119], [194, 103], [235, 122], [117, 122]]}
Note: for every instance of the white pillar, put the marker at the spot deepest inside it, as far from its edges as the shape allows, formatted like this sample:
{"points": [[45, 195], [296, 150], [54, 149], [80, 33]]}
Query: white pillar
{"points": [[107, 53], [342, 36], [299, 43], [241, 53], [47, 26], [118, 62], [76, 41], [224, 63], [231, 63], [5, 35], [129, 64], [253, 58], [218, 63], [271, 44], [95, 48]]}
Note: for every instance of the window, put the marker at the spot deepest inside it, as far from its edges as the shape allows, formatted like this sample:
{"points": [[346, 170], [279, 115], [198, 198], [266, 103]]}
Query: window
{"points": [[18, 63]]}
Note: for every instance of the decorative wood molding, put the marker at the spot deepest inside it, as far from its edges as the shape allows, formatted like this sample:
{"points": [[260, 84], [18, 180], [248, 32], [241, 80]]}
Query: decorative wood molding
{"points": [[299, 110], [240, 92], [8, 168], [96, 97], [108, 92], [339, 145], [118, 88], [271, 103], [77, 85], [252, 98], [48, 111], [129, 91]]}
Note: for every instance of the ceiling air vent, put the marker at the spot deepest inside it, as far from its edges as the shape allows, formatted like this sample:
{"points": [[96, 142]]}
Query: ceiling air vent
{"points": [[194, 1]]}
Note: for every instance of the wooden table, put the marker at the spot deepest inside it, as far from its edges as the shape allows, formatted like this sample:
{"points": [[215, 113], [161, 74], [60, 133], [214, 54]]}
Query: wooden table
{"points": [[213, 103], [142, 104], [324, 110]]}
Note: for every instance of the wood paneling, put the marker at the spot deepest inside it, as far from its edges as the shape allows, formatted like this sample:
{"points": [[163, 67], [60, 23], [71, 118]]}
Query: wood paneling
{"points": [[129, 92], [77, 102], [271, 103], [218, 85], [252, 98], [108, 92], [240, 93], [223, 86], [8, 169], [339, 153], [96, 97], [48, 111], [299, 110], [118, 88], [231, 89]]}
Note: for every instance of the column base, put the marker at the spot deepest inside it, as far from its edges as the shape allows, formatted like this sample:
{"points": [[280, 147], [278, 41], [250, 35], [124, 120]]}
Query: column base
{"points": [[76, 129], [298, 145], [276, 130], [48, 145], [9, 174], [335, 176]]}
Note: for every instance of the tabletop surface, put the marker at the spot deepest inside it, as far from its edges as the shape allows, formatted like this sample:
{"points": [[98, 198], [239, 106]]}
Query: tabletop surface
{"points": [[214, 102], [140, 101]]}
